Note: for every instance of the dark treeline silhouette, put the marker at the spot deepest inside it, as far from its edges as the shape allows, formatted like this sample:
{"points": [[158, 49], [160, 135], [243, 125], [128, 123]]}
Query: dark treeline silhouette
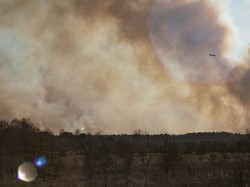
{"points": [[122, 156]]}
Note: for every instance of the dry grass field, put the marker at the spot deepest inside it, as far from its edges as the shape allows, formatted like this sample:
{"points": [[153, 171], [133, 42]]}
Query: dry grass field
{"points": [[213, 169]]}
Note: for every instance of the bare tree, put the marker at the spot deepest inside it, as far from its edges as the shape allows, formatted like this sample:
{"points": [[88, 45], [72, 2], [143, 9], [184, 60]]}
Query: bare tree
{"points": [[170, 155], [247, 133], [3, 127], [125, 150], [240, 172], [106, 162], [88, 150], [146, 157]]}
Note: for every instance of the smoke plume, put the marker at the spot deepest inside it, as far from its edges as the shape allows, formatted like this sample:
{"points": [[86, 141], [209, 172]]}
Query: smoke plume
{"points": [[115, 66]]}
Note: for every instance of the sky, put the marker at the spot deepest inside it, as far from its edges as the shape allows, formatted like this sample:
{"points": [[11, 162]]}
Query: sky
{"points": [[117, 66]]}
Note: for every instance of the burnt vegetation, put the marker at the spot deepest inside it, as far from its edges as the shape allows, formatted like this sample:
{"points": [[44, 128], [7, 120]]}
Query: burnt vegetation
{"points": [[81, 159]]}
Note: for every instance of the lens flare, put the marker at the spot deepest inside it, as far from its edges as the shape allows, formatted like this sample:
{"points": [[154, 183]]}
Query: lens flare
{"points": [[40, 161], [27, 172]]}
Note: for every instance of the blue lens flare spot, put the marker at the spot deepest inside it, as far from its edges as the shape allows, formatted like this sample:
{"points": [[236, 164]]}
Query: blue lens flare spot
{"points": [[40, 161]]}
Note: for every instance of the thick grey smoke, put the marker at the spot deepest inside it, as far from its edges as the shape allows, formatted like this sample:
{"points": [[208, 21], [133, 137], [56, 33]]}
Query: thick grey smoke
{"points": [[184, 32], [96, 65]]}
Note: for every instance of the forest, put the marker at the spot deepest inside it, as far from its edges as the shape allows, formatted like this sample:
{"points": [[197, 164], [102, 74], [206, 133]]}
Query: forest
{"points": [[139, 159]]}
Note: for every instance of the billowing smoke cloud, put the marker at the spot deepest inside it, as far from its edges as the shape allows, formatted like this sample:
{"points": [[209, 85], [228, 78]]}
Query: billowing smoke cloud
{"points": [[183, 33], [115, 66]]}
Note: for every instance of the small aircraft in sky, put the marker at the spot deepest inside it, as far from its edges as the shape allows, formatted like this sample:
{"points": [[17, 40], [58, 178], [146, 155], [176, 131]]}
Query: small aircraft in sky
{"points": [[210, 54]]}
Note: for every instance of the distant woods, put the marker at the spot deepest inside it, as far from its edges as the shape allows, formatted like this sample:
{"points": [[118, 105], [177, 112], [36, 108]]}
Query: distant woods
{"points": [[126, 157]]}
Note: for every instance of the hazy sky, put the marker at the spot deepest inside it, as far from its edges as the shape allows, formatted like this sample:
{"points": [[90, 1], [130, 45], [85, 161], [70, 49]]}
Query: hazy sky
{"points": [[116, 66]]}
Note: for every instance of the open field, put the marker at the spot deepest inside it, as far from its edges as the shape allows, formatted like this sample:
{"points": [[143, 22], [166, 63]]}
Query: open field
{"points": [[82, 160], [213, 169]]}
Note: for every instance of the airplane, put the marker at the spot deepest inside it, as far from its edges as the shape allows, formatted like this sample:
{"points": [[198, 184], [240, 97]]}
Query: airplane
{"points": [[210, 54]]}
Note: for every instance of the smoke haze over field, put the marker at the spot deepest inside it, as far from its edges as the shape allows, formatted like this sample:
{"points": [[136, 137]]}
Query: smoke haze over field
{"points": [[115, 66]]}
